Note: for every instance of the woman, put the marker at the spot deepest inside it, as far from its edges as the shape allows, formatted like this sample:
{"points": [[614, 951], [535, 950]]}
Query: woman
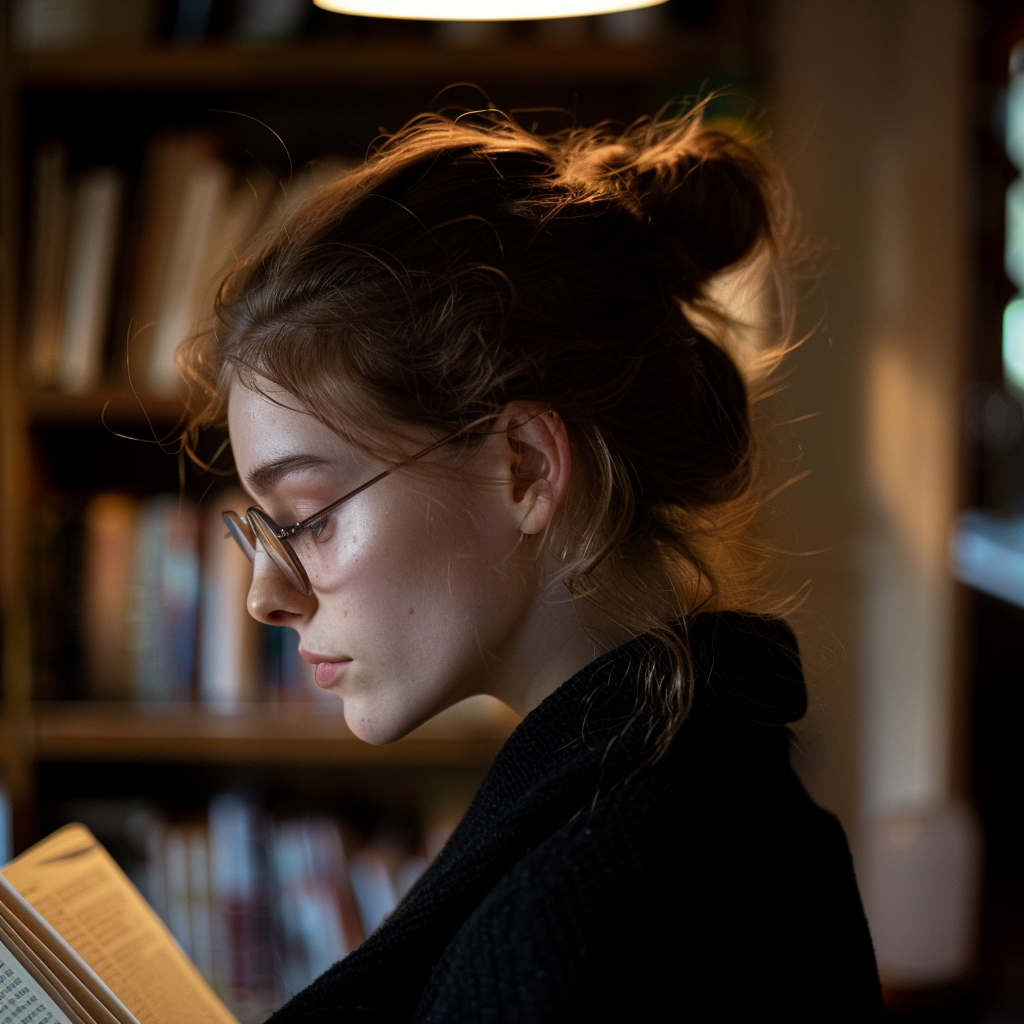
{"points": [[472, 375]]}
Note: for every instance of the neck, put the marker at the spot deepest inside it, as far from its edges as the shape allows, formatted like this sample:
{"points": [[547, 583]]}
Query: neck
{"points": [[560, 635]]}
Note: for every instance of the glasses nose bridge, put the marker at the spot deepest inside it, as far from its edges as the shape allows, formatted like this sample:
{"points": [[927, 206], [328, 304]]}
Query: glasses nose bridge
{"points": [[286, 532], [281, 553]]}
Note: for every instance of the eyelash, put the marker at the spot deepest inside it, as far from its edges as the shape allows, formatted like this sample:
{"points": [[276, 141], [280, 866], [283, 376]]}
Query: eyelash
{"points": [[318, 528]]}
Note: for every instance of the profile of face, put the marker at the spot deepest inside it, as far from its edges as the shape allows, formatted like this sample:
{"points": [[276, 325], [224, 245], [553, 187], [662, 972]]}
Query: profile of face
{"points": [[429, 586]]}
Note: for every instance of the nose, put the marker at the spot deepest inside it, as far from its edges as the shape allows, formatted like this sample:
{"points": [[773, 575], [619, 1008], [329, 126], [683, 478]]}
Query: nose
{"points": [[272, 599]]}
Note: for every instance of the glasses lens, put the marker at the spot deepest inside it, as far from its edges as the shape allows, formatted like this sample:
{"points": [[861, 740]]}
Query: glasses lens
{"points": [[241, 533], [279, 550]]}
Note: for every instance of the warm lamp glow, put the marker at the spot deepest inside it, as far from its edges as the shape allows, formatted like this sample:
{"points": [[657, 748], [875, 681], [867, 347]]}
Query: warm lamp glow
{"points": [[481, 10]]}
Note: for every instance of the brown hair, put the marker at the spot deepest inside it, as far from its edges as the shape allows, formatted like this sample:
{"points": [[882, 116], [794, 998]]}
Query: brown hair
{"points": [[468, 264]]}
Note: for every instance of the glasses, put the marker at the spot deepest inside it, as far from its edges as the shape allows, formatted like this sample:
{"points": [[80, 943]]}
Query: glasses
{"points": [[294, 548]]}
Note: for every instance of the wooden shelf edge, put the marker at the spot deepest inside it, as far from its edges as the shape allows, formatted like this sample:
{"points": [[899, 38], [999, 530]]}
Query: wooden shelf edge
{"points": [[289, 735], [400, 62], [113, 406]]}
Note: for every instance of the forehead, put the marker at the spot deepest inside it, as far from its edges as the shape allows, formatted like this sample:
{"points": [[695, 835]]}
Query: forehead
{"points": [[272, 425]]}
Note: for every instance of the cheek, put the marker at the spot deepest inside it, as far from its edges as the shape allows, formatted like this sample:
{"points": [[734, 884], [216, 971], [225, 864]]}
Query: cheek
{"points": [[424, 579]]}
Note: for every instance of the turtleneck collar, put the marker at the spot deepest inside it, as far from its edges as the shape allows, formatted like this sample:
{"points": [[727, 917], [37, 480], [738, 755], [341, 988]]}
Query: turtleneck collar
{"points": [[746, 673]]}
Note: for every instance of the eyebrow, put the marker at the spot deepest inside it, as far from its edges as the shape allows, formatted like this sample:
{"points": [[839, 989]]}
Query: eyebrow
{"points": [[263, 478]]}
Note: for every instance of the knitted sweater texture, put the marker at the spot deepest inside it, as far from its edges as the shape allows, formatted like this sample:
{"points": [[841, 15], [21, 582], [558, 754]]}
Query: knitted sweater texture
{"points": [[585, 883]]}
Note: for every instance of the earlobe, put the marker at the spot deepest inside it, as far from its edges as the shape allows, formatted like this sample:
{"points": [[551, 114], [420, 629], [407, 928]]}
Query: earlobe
{"points": [[539, 509], [541, 464]]}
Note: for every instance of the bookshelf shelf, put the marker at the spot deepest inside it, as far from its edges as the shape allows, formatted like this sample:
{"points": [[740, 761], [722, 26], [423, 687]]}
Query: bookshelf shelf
{"points": [[119, 406], [292, 735], [399, 63]]}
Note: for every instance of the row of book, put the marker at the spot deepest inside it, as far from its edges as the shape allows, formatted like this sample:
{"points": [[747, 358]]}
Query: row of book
{"points": [[263, 903], [146, 600], [120, 276]]}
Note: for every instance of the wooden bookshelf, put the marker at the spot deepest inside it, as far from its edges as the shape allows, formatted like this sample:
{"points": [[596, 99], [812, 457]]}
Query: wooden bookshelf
{"points": [[399, 63], [387, 78]]}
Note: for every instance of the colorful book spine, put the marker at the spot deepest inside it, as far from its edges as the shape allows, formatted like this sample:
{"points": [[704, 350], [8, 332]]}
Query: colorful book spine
{"points": [[264, 905], [147, 600], [108, 563], [165, 600], [229, 673]]}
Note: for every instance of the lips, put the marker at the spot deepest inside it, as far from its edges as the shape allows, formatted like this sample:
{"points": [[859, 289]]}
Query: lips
{"points": [[329, 672]]}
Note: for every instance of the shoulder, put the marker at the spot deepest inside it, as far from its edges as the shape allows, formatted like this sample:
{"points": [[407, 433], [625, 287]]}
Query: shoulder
{"points": [[651, 885]]}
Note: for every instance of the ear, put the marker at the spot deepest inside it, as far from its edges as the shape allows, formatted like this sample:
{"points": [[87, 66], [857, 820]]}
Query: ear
{"points": [[541, 463]]}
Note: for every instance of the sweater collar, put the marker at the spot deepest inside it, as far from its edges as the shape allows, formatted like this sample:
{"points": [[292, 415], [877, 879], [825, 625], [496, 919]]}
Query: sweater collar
{"points": [[746, 673]]}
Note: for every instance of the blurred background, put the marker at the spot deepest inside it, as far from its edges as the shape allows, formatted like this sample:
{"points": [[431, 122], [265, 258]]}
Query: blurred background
{"points": [[141, 143]]}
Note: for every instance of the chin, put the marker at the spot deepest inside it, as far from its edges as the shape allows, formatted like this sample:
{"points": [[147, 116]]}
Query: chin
{"points": [[377, 729]]}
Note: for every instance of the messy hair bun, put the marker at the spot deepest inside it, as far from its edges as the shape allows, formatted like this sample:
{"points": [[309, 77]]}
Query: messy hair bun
{"points": [[706, 195], [468, 264]]}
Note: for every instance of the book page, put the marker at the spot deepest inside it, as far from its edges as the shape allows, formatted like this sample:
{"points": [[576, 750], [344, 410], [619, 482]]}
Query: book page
{"points": [[45, 978], [55, 965], [22, 999], [76, 886]]}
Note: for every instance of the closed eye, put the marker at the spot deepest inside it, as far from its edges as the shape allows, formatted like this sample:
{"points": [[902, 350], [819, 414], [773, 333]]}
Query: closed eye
{"points": [[319, 529]]}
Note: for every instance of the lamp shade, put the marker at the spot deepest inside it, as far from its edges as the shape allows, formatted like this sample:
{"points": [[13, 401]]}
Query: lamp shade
{"points": [[482, 10]]}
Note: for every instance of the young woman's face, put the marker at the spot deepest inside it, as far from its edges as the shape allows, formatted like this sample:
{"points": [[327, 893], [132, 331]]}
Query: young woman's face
{"points": [[426, 585]]}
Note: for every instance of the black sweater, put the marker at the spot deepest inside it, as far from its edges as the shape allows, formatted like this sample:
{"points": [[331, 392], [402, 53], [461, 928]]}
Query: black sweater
{"points": [[583, 884]]}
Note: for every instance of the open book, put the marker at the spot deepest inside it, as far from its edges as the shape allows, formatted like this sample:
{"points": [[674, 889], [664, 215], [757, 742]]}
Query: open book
{"points": [[79, 944]]}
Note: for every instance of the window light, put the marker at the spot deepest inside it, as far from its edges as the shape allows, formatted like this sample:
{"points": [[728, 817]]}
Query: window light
{"points": [[1013, 343]]}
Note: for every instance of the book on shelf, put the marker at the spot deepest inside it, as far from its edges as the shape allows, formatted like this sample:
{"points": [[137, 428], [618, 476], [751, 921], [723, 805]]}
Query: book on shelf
{"points": [[319, 918], [75, 235], [145, 599], [122, 273], [79, 944], [109, 532], [228, 634], [163, 598], [216, 218], [88, 281], [170, 161]]}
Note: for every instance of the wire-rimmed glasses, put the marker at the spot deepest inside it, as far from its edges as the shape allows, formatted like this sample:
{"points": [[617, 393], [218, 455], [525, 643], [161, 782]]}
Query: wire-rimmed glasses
{"points": [[281, 542]]}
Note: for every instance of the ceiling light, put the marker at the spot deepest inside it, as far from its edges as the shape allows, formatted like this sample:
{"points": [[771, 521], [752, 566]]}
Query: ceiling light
{"points": [[482, 10]]}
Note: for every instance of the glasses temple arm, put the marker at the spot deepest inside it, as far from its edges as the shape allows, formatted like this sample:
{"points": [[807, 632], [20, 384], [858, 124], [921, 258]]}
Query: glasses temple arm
{"points": [[290, 531]]}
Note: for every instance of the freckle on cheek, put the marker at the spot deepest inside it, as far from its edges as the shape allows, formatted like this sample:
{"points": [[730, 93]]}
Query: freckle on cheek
{"points": [[344, 613], [411, 611]]}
